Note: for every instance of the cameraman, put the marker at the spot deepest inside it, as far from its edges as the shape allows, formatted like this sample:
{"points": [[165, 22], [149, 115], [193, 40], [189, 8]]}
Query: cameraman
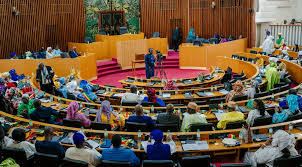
{"points": [[44, 75]]}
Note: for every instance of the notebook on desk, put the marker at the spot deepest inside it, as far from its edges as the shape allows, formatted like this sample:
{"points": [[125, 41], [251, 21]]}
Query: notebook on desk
{"points": [[188, 82], [130, 80], [260, 137], [188, 95], [198, 145], [201, 94], [150, 83], [166, 95]]}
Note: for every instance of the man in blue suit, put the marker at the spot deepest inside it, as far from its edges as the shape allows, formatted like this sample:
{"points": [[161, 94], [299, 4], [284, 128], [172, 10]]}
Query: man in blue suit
{"points": [[73, 53], [149, 63]]}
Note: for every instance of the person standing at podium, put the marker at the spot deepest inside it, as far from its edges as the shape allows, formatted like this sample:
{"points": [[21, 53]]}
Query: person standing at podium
{"points": [[149, 63]]}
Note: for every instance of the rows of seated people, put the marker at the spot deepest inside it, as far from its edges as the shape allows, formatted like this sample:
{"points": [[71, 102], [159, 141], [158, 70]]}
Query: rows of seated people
{"points": [[16, 148], [196, 40], [47, 54]]}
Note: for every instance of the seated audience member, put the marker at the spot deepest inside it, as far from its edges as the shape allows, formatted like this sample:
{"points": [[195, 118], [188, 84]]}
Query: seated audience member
{"points": [[280, 40], [191, 36], [4, 140], [231, 116], [281, 144], [43, 114], [281, 65], [119, 154], [87, 94], [170, 86], [48, 146], [26, 107], [44, 75], [238, 90], [73, 53], [271, 74], [156, 149], [73, 114], [168, 117], [252, 90], [57, 51], [296, 48], [223, 39], [259, 111], [299, 59], [139, 116], [106, 115], [293, 102], [268, 45], [132, 96], [72, 87], [83, 151], [18, 141], [281, 115], [284, 47], [42, 53], [13, 55], [152, 98], [192, 117], [49, 53]]}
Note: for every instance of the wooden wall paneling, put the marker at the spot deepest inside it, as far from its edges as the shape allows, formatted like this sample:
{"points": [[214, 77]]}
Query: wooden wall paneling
{"points": [[40, 23], [229, 17]]}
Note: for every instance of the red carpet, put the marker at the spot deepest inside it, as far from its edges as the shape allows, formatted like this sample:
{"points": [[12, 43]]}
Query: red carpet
{"points": [[172, 73]]}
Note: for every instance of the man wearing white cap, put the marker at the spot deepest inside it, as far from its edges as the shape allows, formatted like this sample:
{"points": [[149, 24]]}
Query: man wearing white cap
{"points": [[268, 45]]}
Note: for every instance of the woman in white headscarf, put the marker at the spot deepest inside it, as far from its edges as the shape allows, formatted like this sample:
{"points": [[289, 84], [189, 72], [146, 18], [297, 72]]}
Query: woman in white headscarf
{"points": [[49, 53], [281, 144], [268, 45], [252, 90]]}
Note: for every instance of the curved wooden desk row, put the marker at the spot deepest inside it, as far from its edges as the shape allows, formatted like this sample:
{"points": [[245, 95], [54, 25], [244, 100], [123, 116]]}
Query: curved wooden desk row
{"points": [[214, 149], [276, 52]]}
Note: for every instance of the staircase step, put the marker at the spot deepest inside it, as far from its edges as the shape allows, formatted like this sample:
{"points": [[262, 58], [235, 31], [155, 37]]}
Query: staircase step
{"points": [[106, 68], [114, 59], [171, 66], [102, 73], [170, 62], [106, 63]]}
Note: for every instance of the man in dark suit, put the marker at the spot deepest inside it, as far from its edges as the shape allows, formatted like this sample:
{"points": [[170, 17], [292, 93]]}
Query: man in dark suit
{"points": [[168, 117], [73, 53], [44, 75]]}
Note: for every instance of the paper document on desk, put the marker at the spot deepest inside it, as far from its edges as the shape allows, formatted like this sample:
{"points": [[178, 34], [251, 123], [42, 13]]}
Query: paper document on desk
{"points": [[93, 143], [223, 91], [200, 145], [218, 116], [209, 93], [44, 100]]}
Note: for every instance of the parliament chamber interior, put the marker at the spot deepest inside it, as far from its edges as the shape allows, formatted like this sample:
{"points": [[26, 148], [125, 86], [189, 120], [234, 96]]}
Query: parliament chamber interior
{"points": [[150, 83]]}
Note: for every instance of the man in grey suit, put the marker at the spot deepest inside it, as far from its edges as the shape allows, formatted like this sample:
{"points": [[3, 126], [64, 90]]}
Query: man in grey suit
{"points": [[168, 117]]}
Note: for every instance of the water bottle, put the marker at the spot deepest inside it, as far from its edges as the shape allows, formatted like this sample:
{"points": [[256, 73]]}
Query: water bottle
{"points": [[176, 92], [82, 130], [121, 108], [273, 97], [198, 135], [270, 131], [143, 91], [139, 135], [179, 111], [162, 81], [240, 136], [221, 105], [211, 88], [105, 134], [81, 106], [237, 107], [51, 99], [30, 124], [290, 128], [160, 92], [59, 100], [168, 133], [152, 109]]}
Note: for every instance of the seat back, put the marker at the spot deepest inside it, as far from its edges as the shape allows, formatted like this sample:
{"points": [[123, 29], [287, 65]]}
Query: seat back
{"points": [[18, 155], [158, 163], [45, 160], [294, 117], [275, 90], [129, 103], [236, 165], [73, 163], [293, 161], [197, 43], [234, 125], [284, 88], [204, 161], [202, 127], [139, 56], [253, 52], [106, 163], [72, 123], [166, 127], [235, 56], [216, 100], [100, 126], [240, 98], [261, 94], [134, 127], [200, 103], [150, 104], [260, 121]]}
